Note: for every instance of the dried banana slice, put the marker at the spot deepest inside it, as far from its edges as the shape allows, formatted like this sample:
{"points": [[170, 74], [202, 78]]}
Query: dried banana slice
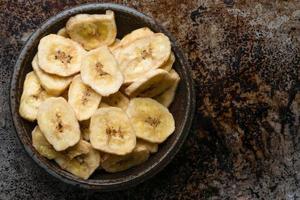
{"points": [[167, 97], [33, 95], [58, 122], [59, 55], [63, 32], [169, 64], [115, 163], [117, 100], [111, 131], [142, 55], [41, 144], [134, 35], [53, 84], [83, 99], [153, 83], [131, 37], [100, 71], [152, 147], [151, 121], [92, 31], [82, 147], [83, 165]]}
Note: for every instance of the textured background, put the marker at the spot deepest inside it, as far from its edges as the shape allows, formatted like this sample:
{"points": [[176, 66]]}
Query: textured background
{"points": [[244, 143]]}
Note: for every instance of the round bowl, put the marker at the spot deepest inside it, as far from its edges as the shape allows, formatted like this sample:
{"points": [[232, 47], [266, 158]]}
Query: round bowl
{"points": [[182, 108]]}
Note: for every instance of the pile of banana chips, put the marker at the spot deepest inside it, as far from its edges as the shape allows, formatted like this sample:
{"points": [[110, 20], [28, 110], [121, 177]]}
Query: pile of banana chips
{"points": [[100, 103]]}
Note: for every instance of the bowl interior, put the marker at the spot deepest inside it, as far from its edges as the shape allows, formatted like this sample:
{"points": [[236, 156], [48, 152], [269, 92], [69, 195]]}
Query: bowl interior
{"points": [[182, 107]]}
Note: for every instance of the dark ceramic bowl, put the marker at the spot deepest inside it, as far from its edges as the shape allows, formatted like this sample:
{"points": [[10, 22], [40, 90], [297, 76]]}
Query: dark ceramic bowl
{"points": [[127, 19]]}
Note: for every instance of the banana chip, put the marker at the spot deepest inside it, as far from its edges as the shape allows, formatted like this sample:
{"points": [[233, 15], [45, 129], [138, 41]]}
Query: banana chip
{"points": [[134, 35], [152, 147], [82, 147], [83, 99], [167, 97], [117, 100], [53, 84], [100, 71], [153, 83], [151, 121], [33, 95], [59, 55], [63, 32], [83, 165], [115, 163], [142, 55], [58, 122], [41, 144], [92, 31], [169, 63], [111, 131]]}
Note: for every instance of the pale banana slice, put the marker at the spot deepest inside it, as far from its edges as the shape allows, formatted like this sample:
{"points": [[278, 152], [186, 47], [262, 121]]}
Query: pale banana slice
{"points": [[92, 31], [85, 129], [33, 95], [41, 144], [58, 122], [115, 163], [153, 83], [83, 99], [131, 37], [134, 35], [152, 147], [111, 131], [167, 97], [82, 147], [117, 100], [151, 120], [100, 71], [169, 63], [53, 84], [82, 166], [59, 55], [63, 32], [142, 55]]}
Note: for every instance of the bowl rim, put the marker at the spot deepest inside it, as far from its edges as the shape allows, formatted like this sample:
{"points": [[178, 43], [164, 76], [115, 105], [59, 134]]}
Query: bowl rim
{"points": [[149, 171]]}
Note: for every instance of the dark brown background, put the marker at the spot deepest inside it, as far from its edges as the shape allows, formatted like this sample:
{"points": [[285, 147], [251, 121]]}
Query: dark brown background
{"points": [[244, 143]]}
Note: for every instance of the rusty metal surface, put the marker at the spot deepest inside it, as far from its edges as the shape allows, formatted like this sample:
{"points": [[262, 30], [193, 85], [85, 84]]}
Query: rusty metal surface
{"points": [[245, 57]]}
